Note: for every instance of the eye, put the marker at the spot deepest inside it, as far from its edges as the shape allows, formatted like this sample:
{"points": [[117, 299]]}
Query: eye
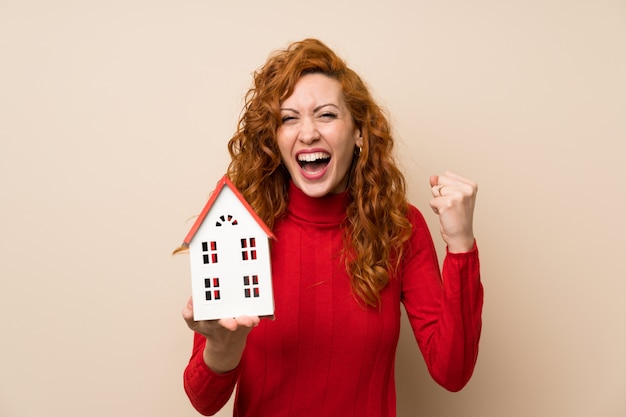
{"points": [[328, 115], [287, 119]]}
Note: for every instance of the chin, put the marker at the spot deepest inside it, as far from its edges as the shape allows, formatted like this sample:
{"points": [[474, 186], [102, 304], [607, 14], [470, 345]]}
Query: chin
{"points": [[317, 190]]}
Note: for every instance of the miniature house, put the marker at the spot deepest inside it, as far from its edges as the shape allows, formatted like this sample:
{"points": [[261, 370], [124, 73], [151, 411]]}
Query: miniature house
{"points": [[230, 258]]}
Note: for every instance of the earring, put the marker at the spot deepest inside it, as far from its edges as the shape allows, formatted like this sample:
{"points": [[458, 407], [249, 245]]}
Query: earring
{"points": [[357, 151]]}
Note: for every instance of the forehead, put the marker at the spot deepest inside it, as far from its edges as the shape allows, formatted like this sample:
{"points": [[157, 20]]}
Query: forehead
{"points": [[314, 89]]}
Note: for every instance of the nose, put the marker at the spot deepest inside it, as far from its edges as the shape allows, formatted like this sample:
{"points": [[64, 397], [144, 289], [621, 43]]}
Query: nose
{"points": [[308, 131]]}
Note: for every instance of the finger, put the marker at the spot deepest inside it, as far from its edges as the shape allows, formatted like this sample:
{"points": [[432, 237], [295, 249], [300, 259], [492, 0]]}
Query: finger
{"points": [[234, 323], [228, 323], [248, 321], [451, 185], [434, 205], [452, 178], [447, 179], [437, 190], [457, 177], [188, 311]]}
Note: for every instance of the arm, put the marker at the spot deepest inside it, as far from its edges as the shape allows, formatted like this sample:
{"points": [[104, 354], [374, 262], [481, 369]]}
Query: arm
{"points": [[207, 390], [213, 370], [446, 315]]}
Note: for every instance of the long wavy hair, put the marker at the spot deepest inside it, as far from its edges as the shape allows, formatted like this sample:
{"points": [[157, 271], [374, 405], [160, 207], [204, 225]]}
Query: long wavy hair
{"points": [[376, 225]]}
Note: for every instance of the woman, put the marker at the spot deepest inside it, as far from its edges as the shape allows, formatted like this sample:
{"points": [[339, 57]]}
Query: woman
{"points": [[313, 156]]}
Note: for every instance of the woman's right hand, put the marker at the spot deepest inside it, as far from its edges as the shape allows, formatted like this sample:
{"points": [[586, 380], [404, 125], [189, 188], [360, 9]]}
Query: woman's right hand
{"points": [[225, 338]]}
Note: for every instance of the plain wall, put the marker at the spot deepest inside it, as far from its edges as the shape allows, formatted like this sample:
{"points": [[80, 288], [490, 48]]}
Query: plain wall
{"points": [[114, 118]]}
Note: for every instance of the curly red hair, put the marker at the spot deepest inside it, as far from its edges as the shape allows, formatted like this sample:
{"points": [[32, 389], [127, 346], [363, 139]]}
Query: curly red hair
{"points": [[376, 226]]}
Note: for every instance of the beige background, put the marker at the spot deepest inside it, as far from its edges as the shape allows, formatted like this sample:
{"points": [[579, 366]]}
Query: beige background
{"points": [[114, 116]]}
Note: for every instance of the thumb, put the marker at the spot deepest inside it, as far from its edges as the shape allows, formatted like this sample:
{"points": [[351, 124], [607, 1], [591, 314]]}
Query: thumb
{"points": [[188, 311], [434, 179]]}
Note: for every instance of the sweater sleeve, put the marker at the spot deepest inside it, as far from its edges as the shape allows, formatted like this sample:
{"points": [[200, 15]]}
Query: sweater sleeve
{"points": [[445, 314], [208, 391]]}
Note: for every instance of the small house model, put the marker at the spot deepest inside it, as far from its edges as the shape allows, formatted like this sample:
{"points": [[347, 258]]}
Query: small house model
{"points": [[230, 258]]}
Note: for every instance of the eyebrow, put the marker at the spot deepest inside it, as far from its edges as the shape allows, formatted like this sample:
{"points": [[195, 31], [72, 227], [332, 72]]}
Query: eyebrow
{"points": [[318, 108]]}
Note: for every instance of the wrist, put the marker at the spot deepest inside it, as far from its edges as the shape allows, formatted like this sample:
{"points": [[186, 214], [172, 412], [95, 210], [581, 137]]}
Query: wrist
{"points": [[222, 360], [461, 245]]}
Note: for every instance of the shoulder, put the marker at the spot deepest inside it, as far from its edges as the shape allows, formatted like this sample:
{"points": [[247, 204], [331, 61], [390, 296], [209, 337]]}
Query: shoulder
{"points": [[415, 216], [421, 238]]}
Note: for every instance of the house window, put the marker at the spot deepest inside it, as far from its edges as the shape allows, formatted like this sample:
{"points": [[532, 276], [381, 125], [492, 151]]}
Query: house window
{"points": [[251, 286], [212, 289], [248, 249], [209, 252], [226, 218]]}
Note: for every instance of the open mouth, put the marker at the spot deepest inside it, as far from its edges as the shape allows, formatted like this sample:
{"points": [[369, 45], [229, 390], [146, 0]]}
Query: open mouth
{"points": [[313, 162]]}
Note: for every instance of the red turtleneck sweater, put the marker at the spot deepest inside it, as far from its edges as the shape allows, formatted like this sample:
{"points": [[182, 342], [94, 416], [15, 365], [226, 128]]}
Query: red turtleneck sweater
{"points": [[325, 354]]}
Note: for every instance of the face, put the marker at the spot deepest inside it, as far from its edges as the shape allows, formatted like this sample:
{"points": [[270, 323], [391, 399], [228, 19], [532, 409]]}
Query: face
{"points": [[317, 136]]}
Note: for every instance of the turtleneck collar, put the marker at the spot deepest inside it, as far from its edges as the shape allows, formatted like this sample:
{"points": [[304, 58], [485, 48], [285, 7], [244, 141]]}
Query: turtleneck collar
{"points": [[329, 209]]}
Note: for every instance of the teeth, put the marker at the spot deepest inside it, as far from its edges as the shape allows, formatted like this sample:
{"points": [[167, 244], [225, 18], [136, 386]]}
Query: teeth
{"points": [[310, 157]]}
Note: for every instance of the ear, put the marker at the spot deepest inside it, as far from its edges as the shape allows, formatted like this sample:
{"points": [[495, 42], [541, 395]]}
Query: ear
{"points": [[358, 138]]}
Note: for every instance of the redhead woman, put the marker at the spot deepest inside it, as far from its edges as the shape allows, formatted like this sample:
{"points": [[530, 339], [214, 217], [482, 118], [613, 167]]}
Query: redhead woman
{"points": [[313, 155]]}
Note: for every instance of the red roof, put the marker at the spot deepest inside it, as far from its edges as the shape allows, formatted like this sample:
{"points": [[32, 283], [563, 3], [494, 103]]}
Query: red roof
{"points": [[220, 185]]}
